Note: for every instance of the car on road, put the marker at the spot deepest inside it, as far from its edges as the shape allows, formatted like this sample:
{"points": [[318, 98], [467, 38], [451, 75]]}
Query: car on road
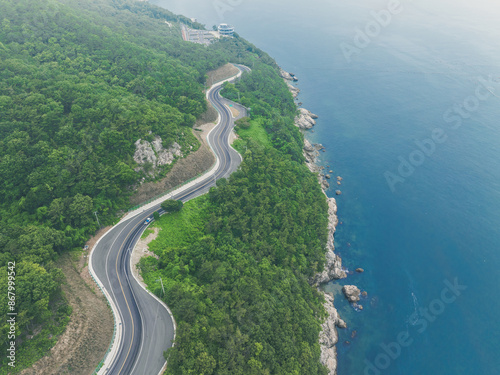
{"points": [[148, 220]]}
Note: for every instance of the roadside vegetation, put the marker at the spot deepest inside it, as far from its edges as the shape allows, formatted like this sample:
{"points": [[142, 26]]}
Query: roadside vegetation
{"points": [[80, 82], [235, 263], [171, 205]]}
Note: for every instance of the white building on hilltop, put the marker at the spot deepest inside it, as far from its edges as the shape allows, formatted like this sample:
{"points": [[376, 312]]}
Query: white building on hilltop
{"points": [[226, 30]]}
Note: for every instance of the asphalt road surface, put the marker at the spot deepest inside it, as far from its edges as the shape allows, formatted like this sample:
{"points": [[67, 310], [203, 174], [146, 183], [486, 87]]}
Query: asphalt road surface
{"points": [[147, 329]]}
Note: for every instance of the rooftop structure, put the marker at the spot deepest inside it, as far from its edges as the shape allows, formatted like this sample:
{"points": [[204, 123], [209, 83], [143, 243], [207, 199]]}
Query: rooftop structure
{"points": [[226, 30]]}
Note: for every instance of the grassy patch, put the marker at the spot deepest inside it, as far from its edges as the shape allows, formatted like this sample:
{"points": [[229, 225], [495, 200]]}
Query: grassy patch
{"points": [[255, 132], [146, 233], [181, 228], [178, 230]]}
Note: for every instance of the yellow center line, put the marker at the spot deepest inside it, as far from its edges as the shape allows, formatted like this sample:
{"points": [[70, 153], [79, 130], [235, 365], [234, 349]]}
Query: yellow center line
{"points": [[126, 301]]}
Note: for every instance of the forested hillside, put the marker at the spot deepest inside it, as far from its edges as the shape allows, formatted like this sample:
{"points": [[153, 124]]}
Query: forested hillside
{"points": [[80, 82], [235, 264]]}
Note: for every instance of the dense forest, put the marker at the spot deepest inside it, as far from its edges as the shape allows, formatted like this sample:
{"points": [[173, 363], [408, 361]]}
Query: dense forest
{"points": [[80, 82], [236, 263]]}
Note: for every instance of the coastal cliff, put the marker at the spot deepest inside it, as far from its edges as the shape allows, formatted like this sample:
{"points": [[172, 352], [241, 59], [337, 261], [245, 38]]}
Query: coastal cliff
{"points": [[294, 90], [328, 336], [305, 119], [332, 270], [333, 264]]}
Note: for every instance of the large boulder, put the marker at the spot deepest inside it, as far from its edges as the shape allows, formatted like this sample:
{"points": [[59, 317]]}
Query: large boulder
{"points": [[285, 75], [351, 292]]}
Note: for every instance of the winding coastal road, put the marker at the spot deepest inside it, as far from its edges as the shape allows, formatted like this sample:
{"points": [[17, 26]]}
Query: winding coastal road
{"points": [[144, 328]]}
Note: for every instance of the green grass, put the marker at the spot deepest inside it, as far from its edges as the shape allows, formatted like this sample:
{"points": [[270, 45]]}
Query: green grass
{"points": [[179, 229], [182, 228], [146, 233], [255, 132]]}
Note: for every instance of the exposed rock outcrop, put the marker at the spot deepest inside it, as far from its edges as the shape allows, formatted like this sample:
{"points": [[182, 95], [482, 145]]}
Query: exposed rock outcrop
{"points": [[311, 154], [328, 336], [333, 270], [306, 119], [154, 153], [308, 147], [333, 265], [351, 292], [285, 75], [294, 90]]}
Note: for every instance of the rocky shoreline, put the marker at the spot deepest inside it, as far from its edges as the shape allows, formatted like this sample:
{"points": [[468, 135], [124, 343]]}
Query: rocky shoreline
{"points": [[305, 119], [328, 336], [333, 270]]}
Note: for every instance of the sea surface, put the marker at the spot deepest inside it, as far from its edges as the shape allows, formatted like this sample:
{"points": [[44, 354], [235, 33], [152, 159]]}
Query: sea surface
{"points": [[420, 93]]}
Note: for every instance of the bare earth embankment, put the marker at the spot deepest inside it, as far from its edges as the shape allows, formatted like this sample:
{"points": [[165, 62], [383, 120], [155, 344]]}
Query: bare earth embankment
{"points": [[141, 249], [224, 72], [87, 337]]}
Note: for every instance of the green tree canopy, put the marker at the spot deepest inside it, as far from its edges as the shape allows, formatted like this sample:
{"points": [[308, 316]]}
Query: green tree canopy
{"points": [[171, 205]]}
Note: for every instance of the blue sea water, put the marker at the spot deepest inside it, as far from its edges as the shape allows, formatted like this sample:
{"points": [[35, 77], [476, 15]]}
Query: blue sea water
{"points": [[433, 70]]}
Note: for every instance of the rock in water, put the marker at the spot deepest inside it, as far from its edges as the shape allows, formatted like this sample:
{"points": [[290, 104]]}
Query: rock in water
{"points": [[360, 270], [341, 324], [351, 292], [285, 75]]}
